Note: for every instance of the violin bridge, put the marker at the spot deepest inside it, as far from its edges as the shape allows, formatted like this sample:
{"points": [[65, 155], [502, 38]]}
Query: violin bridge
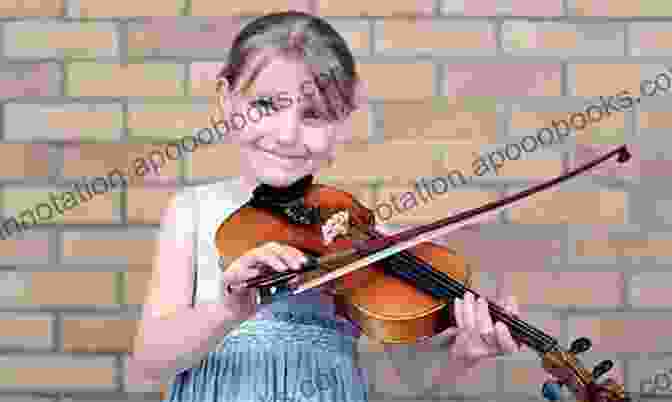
{"points": [[336, 225]]}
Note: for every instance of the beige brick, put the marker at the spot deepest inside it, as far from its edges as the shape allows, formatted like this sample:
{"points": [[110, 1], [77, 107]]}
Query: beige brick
{"points": [[655, 120], [129, 8], [541, 170], [355, 33], [538, 120], [206, 8], [115, 335], [63, 119], [605, 79], [135, 251], [62, 377], [31, 8], [101, 209], [359, 124], [102, 79], [360, 164], [624, 248], [413, 35], [24, 160], [137, 283], [559, 207], [58, 39], [565, 288], [439, 119], [624, 332], [222, 160], [178, 118], [374, 8], [92, 208], [30, 247], [398, 81], [27, 331], [54, 288], [619, 9], [100, 159], [146, 205]]}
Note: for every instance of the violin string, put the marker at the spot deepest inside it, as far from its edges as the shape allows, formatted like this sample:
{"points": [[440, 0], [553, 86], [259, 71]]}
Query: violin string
{"points": [[521, 327], [450, 285]]}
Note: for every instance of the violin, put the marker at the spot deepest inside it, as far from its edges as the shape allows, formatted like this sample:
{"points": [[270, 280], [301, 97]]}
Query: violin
{"points": [[368, 281]]}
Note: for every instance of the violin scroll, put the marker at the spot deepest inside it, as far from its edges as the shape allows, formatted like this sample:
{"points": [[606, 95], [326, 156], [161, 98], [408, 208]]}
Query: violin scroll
{"points": [[570, 372]]}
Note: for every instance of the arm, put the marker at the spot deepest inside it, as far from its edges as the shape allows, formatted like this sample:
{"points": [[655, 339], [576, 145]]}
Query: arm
{"points": [[173, 336]]}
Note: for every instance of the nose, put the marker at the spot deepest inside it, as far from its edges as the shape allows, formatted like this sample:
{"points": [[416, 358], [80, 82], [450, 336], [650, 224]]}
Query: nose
{"points": [[288, 128]]}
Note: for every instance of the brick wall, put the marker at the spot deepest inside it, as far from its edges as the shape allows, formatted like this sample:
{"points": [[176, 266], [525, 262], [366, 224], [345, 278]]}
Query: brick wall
{"points": [[87, 86]]}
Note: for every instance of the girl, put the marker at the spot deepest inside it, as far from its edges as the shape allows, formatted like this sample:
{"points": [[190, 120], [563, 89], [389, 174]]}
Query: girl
{"points": [[214, 346]]}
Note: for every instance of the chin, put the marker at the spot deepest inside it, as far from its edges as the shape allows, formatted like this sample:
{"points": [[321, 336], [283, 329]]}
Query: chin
{"points": [[279, 178]]}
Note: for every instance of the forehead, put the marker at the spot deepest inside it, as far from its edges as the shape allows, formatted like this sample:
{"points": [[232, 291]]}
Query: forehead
{"points": [[280, 74]]}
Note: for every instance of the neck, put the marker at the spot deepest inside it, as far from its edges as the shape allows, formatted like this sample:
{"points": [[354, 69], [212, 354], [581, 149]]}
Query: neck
{"points": [[248, 184]]}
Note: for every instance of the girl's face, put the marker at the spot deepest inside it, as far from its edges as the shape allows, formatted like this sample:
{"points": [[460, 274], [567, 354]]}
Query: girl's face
{"points": [[291, 137]]}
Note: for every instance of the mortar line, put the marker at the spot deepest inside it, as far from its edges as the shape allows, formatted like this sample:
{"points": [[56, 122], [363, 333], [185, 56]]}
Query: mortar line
{"points": [[122, 36], [371, 24], [626, 39]]}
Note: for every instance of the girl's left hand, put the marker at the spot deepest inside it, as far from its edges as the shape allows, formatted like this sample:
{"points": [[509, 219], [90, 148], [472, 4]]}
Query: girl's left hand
{"points": [[476, 338]]}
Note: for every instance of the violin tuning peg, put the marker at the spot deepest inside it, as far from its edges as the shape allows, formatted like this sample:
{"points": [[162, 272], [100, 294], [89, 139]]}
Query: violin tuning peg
{"points": [[603, 367], [580, 345], [551, 391]]}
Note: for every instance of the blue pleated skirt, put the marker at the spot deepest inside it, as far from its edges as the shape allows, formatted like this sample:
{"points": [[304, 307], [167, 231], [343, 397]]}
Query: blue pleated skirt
{"points": [[286, 353]]}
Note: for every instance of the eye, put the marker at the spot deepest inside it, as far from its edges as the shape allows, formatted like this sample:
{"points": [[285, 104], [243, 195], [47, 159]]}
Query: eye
{"points": [[265, 102], [315, 117], [314, 113]]}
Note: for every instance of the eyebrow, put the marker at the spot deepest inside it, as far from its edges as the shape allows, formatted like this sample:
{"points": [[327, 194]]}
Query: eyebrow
{"points": [[263, 94]]}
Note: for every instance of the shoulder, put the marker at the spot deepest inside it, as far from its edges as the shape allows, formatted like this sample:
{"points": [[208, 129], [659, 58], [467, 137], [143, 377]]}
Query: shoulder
{"points": [[223, 191]]}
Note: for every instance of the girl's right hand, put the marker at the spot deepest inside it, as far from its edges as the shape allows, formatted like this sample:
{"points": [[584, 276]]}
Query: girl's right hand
{"points": [[278, 257]]}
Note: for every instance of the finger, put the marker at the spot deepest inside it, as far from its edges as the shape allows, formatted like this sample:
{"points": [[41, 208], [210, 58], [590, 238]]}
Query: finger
{"points": [[468, 312], [241, 270], [244, 274], [289, 255], [272, 261], [504, 339], [483, 319], [298, 256], [459, 319]]}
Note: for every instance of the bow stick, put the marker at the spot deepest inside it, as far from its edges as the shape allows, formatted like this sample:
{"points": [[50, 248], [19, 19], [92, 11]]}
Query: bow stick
{"points": [[380, 248]]}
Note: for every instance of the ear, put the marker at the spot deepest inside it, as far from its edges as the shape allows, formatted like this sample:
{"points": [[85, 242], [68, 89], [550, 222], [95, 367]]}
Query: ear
{"points": [[222, 100], [223, 86]]}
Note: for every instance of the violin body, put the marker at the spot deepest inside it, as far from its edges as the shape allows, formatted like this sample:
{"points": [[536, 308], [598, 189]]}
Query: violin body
{"points": [[386, 308]]}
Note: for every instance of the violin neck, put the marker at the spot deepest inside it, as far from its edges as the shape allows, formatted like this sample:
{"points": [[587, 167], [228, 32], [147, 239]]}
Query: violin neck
{"points": [[521, 331]]}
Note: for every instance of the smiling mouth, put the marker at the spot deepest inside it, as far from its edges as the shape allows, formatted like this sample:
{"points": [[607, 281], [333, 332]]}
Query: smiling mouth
{"points": [[281, 156], [288, 161]]}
